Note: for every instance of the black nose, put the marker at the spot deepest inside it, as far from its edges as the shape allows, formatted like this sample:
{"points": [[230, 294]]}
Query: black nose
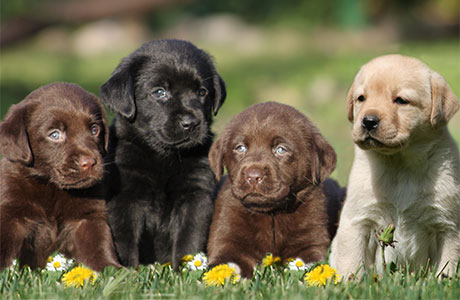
{"points": [[370, 122], [188, 122]]}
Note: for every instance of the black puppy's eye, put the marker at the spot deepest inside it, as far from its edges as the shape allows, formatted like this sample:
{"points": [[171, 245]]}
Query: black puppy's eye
{"points": [[159, 93], [241, 149], [95, 129], [401, 101], [202, 92], [361, 98], [280, 150], [56, 135]]}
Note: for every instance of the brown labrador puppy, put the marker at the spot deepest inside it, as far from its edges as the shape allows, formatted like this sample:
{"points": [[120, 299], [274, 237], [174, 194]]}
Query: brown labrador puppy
{"points": [[50, 197], [272, 199]]}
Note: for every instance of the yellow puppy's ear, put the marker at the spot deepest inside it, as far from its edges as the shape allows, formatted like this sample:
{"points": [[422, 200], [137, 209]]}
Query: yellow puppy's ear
{"points": [[444, 102], [350, 103]]}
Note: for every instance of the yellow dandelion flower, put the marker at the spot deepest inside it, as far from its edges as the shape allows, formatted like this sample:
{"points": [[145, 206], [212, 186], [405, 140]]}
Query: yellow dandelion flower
{"points": [[320, 275], [270, 260], [50, 259], [78, 276], [218, 275], [187, 258]]}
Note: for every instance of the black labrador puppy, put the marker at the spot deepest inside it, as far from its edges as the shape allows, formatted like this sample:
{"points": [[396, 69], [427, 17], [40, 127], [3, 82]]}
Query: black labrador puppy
{"points": [[160, 188]]}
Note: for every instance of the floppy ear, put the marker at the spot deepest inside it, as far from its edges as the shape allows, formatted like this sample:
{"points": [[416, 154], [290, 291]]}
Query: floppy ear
{"points": [[350, 103], [14, 140], [106, 130], [118, 92], [220, 93], [444, 102], [104, 124], [216, 158], [323, 159]]}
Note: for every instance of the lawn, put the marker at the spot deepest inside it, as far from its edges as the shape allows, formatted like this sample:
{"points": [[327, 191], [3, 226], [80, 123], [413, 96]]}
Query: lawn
{"points": [[311, 79], [268, 282]]}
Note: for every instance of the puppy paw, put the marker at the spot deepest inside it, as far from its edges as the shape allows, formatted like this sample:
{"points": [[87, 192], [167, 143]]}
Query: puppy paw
{"points": [[235, 267]]}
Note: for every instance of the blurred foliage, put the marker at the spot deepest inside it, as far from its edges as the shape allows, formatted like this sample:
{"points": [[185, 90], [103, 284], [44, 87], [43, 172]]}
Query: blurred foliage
{"points": [[313, 11], [314, 81], [301, 12], [14, 8], [313, 75]]}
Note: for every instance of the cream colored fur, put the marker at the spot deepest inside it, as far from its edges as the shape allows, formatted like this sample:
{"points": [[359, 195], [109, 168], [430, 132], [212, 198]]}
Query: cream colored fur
{"points": [[407, 174]]}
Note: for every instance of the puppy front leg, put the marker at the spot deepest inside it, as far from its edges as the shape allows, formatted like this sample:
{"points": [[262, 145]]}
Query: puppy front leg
{"points": [[39, 244], [348, 250], [12, 235], [450, 254], [242, 264], [126, 224], [191, 230], [308, 251], [229, 243], [89, 241]]}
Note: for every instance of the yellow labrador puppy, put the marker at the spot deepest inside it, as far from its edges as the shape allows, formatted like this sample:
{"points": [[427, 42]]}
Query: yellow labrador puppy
{"points": [[406, 169]]}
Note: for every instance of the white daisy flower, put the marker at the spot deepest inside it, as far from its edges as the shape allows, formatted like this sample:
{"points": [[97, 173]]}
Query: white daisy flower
{"points": [[58, 263], [13, 264], [298, 265], [199, 262]]}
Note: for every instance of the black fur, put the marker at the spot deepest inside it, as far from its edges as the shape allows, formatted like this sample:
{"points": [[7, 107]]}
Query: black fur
{"points": [[160, 187]]}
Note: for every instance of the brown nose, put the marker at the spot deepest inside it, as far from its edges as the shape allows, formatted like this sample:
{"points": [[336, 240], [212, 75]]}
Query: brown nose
{"points": [[86, 163], [254, 176]]}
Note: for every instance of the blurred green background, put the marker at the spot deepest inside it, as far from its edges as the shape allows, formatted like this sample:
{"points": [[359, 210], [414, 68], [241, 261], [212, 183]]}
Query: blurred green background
{"points": [[299, 52]]}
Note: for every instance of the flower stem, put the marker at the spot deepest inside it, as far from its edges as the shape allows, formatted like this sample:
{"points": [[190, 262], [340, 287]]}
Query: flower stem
{"points": [[383, 257]]}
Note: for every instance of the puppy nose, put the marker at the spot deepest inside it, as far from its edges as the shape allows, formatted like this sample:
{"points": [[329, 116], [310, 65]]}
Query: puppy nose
{"points": [[254, 176], [370, 122], [86, 163], [188, 122]]}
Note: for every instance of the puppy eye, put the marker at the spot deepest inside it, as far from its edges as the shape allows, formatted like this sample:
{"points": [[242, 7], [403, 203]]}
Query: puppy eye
{"points": [[280, 150], [241, 149], [95, 129], [202, 92], [361, 98], [401, 101], [159, 93], [56, 135]]}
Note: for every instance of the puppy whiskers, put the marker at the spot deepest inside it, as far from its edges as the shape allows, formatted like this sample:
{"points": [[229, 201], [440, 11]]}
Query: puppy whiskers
{"points": [[207, 78], [308, 179], [108, 163]]}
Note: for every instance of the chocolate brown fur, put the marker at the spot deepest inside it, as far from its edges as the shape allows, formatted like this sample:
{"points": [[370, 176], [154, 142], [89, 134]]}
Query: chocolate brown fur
{"points": [[272, 199], [50, 196]]}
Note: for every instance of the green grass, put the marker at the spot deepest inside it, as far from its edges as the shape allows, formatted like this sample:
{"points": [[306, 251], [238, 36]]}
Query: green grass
{"points": [[157, 282]]}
